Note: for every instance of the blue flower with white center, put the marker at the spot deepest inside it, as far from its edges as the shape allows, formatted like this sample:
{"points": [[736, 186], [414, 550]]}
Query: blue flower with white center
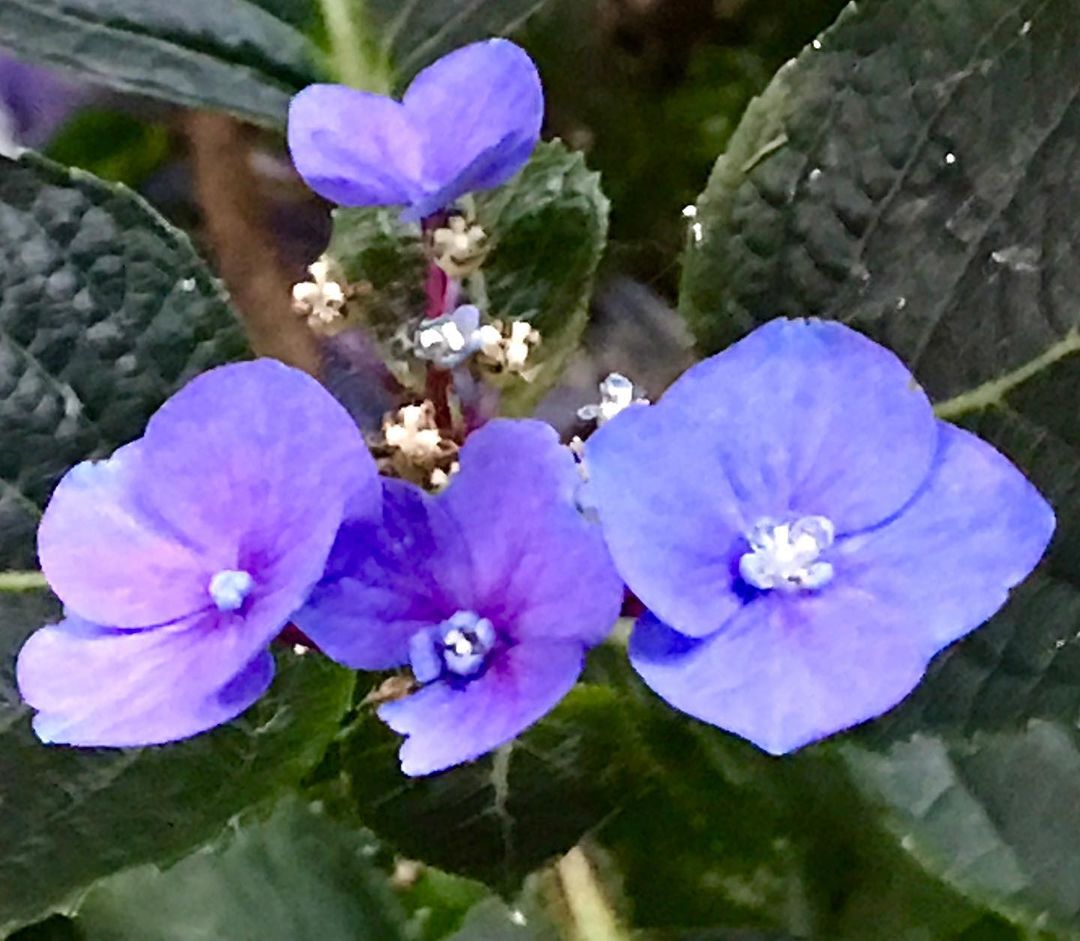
{"points": [[468, 122], [491, 592], [805, 533]]}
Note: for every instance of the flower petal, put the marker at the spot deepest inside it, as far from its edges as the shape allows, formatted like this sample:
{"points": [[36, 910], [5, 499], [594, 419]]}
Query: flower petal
{"points": [[109, 559], [786, 671], [448, 725], [95, 686], [255, 461], [480, 109], [539, 567], [386, 580], [947, 562], [800, 418], [353, 147], [671, 520]]}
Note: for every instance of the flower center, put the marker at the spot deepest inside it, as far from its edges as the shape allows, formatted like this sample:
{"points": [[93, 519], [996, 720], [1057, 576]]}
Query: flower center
{"points": [[787, 555], [459, 644], [230, 587]]}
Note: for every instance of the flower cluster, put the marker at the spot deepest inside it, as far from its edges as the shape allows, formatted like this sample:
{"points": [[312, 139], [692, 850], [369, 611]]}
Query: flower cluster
{"points": [[803, 531]]}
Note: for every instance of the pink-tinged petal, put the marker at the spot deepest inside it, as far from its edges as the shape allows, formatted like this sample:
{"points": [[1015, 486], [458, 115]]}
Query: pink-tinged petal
{"points": [[255, 462], [388, 579], [448, 725], [110, 559], [95, 686], [539, 567], [480, 109], [947, 562], [353, 147], [786, 670]]}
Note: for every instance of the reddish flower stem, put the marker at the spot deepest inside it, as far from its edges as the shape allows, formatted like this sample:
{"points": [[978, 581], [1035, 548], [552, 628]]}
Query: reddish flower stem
{"points": [[442, 293]]}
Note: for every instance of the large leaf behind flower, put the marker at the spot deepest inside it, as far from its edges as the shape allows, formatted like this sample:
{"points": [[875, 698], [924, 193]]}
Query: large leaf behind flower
{"points": [[105, 310], [70, 816], [914, 174]]}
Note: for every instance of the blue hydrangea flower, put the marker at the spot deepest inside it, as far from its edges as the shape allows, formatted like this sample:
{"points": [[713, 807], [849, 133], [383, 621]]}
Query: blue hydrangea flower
{"points": [[468, 122], [491, 591], [179, 558], [804, 532]]}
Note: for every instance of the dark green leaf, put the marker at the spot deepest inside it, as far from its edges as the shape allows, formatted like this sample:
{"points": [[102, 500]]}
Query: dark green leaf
{"points": [[244, 56], [494, 920], [913, 174], [549, 228], [294, 877], [112, 145], [71, 816], [105, 310], [415, 33], [499, 818]]}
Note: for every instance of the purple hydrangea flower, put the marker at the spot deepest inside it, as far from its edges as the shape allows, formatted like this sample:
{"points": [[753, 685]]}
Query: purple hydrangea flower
{"points": [[179, 558], [468, 122], [491, 591], [804, 532]]}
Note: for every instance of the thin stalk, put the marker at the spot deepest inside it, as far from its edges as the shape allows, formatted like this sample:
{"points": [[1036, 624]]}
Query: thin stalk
{"points": [[591, 915], [22, 581], [356, 59]]}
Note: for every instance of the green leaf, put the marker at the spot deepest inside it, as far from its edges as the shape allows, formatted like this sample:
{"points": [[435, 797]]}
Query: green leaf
{"points": [[414, 33], [72, 816], [547, 228], [112, 145], [494, 920], [294, 877], [105, 310], [243, 56], [499, 818]]}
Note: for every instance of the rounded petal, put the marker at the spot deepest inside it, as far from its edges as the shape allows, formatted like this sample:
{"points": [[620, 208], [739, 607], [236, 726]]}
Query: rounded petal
{"points": [[95, 686], [480, 109], [800, 418], [946, 563], [254, 463], [786, 671], [672, 522], [539, 567], [353, 147], [447, 725], [110, 560], [386, 579]]}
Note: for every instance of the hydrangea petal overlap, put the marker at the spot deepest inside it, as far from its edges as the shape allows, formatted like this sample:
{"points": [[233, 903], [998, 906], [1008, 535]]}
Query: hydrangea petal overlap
{"points": [[467, 122], [504, 542], [245, 471], [805, 420]]}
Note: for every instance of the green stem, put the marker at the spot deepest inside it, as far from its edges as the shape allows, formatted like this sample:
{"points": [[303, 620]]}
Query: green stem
{"points": [[22, 581], [356, 59], [591, 916]]}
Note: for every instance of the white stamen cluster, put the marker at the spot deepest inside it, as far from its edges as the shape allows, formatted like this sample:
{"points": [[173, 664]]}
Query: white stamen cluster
{"points": [[459, 247], [507, 347], [412, 431], [449, 340], [616, 394], [321, 299], [786, 555]]}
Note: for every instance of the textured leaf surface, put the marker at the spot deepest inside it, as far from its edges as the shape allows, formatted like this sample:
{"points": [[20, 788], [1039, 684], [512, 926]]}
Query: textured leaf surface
{"points": [[414, 33], [105, 310], [294, 877], [913, 174], [242, 56], [502, 816], [71, 816]]}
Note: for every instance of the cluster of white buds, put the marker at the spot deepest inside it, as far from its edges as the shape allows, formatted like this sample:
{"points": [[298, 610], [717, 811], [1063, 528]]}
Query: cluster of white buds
{"points": [[507, 346], [321, 299], [449, 340], [459, 247], [413, 432], [616, 394], [440, 477]]}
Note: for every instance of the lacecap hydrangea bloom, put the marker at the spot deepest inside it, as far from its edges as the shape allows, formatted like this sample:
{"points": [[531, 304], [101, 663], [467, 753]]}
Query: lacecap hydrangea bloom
{"points": [[179, 558], [468, 122], [491, 592], [805, 533]]}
